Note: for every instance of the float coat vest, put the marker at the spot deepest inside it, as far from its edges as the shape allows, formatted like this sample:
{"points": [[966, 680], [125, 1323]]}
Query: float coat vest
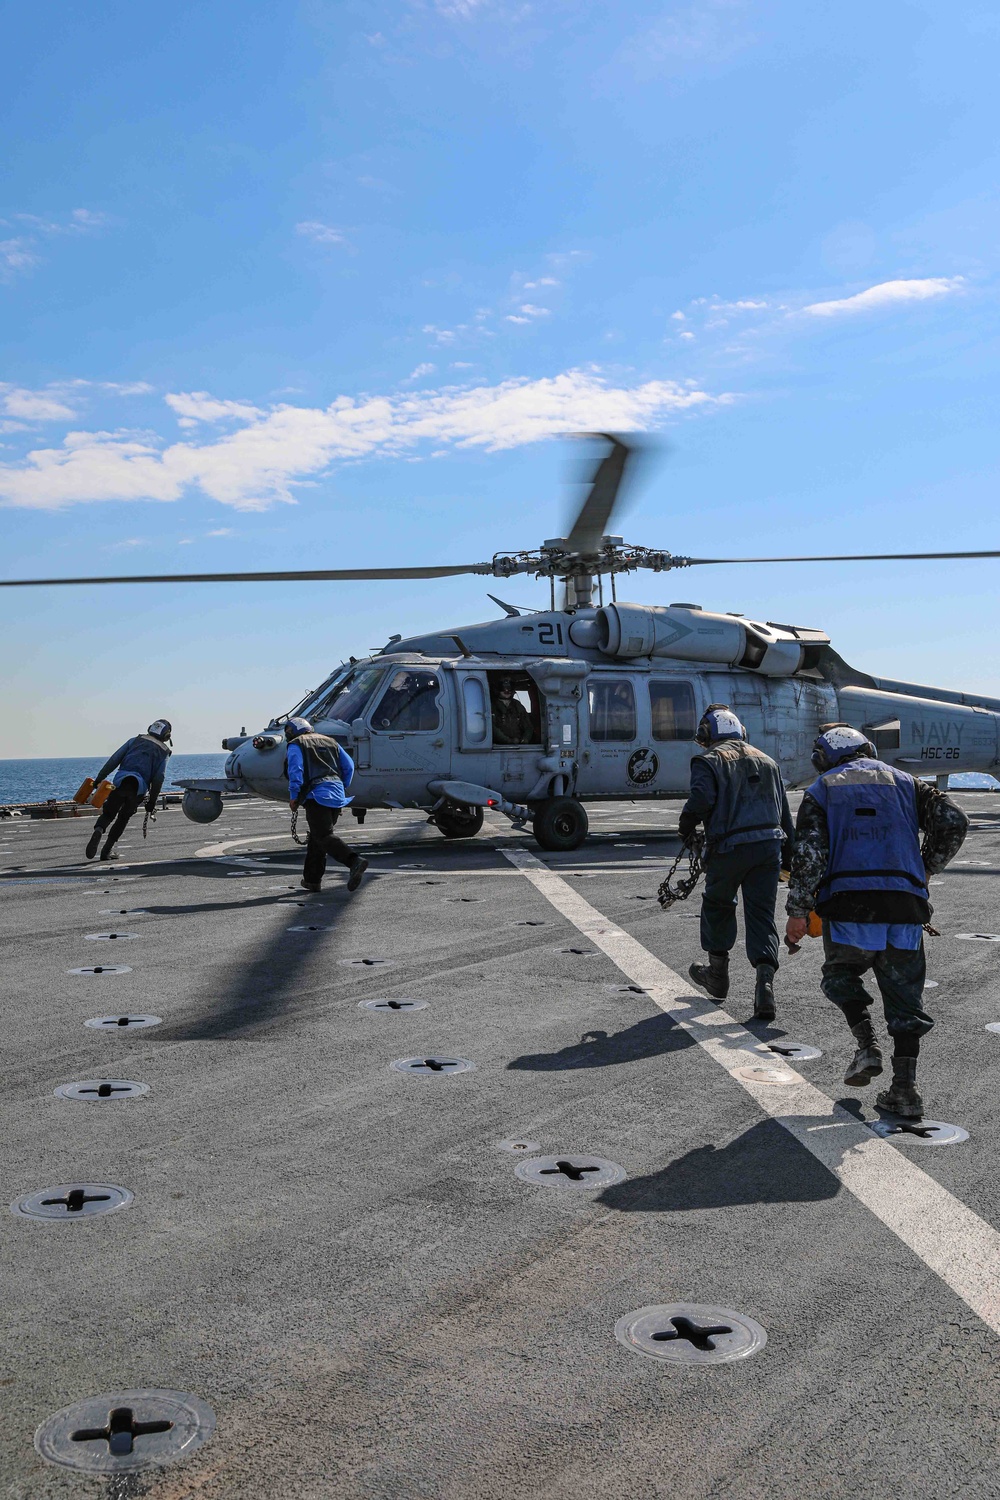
{"points": [[750, 796], [871, 815], [320, 762], [143, 757]]}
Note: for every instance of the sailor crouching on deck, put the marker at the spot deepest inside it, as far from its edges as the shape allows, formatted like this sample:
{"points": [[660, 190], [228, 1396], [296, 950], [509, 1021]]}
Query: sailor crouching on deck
{"points": [[319, 772], [859, 864], [737, 792], [141, 763]]}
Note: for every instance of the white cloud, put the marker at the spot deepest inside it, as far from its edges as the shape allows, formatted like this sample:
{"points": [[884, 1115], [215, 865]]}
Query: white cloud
{"points": [[21, 252], [221, 531], [886, 294], [259, 464], [678, 317], [193, 407], [531, 286], [33, 406], [321, 234], [686, 334], [421, 370], [440, 335], [513, 318], [17, 255]]}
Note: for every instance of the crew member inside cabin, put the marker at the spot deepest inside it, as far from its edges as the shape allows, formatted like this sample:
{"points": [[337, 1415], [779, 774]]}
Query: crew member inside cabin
{"points": [[511, 721], [860, 865], [141, 763], [319, 772]]}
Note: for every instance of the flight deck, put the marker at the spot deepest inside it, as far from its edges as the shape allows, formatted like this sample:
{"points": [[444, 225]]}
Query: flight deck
{"points": [[405, 1165]]}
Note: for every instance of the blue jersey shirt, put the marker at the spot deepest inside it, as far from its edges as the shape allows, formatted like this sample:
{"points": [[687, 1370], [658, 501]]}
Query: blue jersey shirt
{"points": [[875, 937], [328, 793]]}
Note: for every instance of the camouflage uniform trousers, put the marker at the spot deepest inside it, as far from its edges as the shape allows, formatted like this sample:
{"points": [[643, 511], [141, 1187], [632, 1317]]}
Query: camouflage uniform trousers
{"points": [[899, 974]]}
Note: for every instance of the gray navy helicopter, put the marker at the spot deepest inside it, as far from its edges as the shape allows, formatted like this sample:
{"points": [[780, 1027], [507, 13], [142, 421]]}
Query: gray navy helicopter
{"points": [[608, 694]]}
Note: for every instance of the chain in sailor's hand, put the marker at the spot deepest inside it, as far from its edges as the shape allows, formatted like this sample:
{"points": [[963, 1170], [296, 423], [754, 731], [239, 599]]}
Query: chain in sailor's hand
{"points": [[670, 892], [295, 819]]}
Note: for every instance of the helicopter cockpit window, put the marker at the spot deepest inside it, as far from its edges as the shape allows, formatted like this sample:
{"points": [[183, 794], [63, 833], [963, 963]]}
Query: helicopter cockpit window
{"points": [[671, 706], [409, 703], [347, 699], [612, 709]]}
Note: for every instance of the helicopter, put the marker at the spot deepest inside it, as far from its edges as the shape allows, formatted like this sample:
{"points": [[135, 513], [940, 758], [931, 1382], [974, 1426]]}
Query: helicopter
{"points": [[610, 693]]}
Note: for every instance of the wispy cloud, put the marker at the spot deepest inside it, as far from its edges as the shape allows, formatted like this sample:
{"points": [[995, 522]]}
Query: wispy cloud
{"points": [[321, 234], [193, 407], [17, 255], [23, 251], [418, 374], [528, 312], [33, 406], [887, 294], [260, 464]]}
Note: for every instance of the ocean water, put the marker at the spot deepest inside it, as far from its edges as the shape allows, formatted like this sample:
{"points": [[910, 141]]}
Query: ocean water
{"points": [[37, 780]]}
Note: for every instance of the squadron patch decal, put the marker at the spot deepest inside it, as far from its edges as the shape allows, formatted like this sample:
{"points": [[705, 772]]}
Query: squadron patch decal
{"points": [[642, 767]]}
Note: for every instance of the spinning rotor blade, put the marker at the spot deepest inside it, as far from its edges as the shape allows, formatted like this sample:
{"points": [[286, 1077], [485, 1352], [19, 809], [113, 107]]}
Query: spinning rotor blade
{"points": [[842, 557], [592, 519], [322, 575]]}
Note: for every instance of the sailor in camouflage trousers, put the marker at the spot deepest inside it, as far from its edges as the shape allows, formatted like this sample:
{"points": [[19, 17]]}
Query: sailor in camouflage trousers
{"points": [[859, 863]]}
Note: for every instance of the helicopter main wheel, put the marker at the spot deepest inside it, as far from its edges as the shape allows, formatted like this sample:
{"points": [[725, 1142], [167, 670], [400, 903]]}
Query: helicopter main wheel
{"points": [[459, 822], [560, 824]]}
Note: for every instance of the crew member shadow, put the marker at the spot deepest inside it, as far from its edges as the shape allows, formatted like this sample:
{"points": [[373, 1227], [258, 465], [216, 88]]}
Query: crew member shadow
{"points": [[764, 1165], [651, 1037]]}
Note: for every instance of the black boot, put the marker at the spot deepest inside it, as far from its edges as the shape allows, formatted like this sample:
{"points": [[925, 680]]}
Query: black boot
{"points": [[94, 842], [763, 995], [713, 976], [358, 867], [902, 1099], [867, 1061]]}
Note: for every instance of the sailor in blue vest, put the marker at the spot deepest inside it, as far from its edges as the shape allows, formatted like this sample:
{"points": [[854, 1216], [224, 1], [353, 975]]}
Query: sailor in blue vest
{"points": [[737, 792], [859, 864], [141, 763], [319, 772]]}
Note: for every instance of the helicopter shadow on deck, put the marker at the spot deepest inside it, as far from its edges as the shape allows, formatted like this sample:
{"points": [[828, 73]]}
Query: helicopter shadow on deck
{"points": [[654, 1036], [763, 1165], [267, 989]]}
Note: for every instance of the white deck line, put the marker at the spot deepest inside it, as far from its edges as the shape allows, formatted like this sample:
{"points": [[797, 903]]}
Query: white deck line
{"points": [[957, 1245]]}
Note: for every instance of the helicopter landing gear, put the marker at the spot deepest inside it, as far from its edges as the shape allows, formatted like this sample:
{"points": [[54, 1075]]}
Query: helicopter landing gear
{"points": [[561, 823], [459, 822]]}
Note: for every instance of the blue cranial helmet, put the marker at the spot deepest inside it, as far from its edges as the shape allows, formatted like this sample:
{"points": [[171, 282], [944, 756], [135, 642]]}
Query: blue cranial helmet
{"points": [[718, 722], [839, 742], [295, 727]]}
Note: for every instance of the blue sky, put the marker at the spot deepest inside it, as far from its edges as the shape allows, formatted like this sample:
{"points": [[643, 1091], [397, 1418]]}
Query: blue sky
{"points": [[329, 285]]}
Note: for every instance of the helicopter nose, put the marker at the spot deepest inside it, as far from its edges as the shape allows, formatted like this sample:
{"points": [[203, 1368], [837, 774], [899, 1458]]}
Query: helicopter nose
{"points": [[259, 762]]}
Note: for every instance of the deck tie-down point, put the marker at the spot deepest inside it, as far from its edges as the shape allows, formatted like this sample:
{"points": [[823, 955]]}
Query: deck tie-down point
{"points": [[684, 1328], [75, 1200], [121, 1431], [575, 1174]]}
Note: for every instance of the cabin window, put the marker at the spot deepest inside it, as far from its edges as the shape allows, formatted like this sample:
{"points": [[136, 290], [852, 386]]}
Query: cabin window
{"points": [[671, 709], [515, 708], [612, 709], [409, 703], [347, 699], [474, 704]]}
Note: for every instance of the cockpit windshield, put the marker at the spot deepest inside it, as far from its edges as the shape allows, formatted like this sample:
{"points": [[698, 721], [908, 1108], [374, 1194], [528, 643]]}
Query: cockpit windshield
{"points": [[345, 698]]}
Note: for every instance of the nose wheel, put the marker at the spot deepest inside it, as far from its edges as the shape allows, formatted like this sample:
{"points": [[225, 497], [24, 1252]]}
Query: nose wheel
{"points": [[561, 823]]}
